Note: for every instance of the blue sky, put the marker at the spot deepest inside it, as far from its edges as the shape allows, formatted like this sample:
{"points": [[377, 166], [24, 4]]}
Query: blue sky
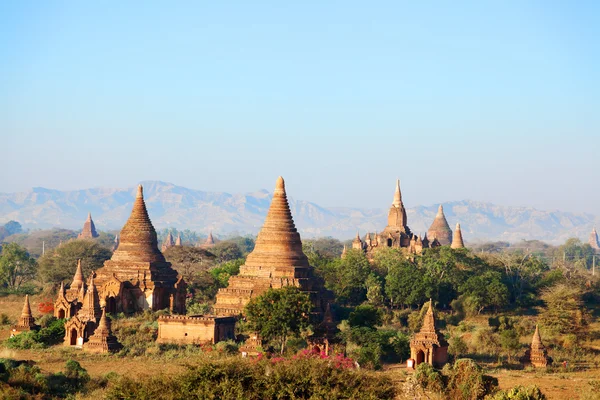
{"points": [[492, 101]]}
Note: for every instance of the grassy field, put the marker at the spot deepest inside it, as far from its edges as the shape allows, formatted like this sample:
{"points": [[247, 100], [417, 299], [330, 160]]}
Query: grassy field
{"points": [[557, 384]]}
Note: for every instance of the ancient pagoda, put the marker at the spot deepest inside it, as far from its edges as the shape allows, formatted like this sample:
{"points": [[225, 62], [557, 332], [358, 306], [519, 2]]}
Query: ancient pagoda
{"points": [[102, 341], [593, 240], [440, 229], [429, 345], [537, 355], [396, 234], [26, 322], [457, 239], [137, 277], [77, 286], [210, 242], [276, 261], [82, 325], [89, 229], [178, 240], [167, 243]]}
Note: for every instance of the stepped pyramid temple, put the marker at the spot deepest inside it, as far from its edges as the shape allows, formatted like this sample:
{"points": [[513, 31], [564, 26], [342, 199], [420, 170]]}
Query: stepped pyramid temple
{"points": [[593, 240], [537, 355], [397, 233], [89, 229], [26, 322], [276, 261], [428, 345]]}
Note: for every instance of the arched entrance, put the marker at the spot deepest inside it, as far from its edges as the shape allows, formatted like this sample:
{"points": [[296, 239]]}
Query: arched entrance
{"points": [[111, 305], [389, 242], [420, 357], [73, 337], [61, 314]]}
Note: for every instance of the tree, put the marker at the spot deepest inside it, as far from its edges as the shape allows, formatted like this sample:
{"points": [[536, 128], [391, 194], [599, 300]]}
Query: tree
{"points": [[13, 227], [564, 312], [509, 340], [16, 266], [349, 278], [279, 313], [60, 264], [405, 284], [226, 251], [485, 290]]}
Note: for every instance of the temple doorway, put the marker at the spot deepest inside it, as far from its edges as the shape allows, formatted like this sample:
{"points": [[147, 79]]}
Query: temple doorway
{"points": [[389, 242], [73, 337], [111, 305], [61, 314], [420, 357]]}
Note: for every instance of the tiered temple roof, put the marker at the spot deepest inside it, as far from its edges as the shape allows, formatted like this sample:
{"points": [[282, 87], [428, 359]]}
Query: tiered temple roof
{"points": [[276, 261], [537, 354], [137, 259], [440, 229], [89, 229], [457, 239], [429, 345]]}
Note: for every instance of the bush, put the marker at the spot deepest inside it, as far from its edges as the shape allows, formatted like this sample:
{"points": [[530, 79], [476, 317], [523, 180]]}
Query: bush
{"points": [[4, 320], [467, 381], [267, 379], [429, 378], [520, 393], [52, 334]]}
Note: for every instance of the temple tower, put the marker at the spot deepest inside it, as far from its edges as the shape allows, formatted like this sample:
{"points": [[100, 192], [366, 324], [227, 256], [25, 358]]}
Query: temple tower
{"points": [[91, 311], [77, 286], [357, 243], [276, 261], [178, 240], [168, 242], [26, 322], [429, 345], [137, 276], [537, 355], [440, 229], [593, 240], [89, 229], [397, 214], [102, 341], [457, 240]]}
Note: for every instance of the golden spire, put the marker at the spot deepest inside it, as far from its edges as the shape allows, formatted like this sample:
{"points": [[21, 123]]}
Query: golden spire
{"points": [[536, 342], [78, 280], [26, 313]]}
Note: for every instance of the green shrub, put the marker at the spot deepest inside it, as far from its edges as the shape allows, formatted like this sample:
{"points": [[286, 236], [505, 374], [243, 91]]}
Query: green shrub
{"points": [[466, 381], [52, 334], [4, 320], [429, 378], [520, 393]]}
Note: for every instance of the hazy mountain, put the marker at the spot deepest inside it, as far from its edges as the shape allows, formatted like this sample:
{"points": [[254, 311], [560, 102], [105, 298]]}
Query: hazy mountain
{"points": [[175, 206]]}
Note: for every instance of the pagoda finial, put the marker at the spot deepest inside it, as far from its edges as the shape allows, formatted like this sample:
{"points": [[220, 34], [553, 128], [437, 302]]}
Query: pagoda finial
{"points": [[280, 185], [397, 195], [26, 313], [140, 191], [89, 218]]}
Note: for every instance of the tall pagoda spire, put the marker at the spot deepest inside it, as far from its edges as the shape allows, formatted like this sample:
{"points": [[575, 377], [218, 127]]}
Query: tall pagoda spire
{"points": [[78, 281], [210, 240], [429, 320], [169, 242], [91, 303], [440, 229], [278, 242], [26, 322], [138, 241], [178, 240], [457, 239], [397, 214]]}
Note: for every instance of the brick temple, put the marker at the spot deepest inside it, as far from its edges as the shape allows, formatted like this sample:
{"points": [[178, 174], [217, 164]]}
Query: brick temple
{"points": [[397, 234], [276, 261], [89, 229]]}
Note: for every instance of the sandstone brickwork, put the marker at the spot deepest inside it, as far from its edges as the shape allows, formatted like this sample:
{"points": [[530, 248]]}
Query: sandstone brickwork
{"points": [[276, 261], [26, 321], [429, 345], [537, 355], [457, 239], [102, 341], [196, 329]]}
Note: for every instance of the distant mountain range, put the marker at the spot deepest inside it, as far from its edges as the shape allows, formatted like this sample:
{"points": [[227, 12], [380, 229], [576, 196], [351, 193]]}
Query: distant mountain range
{"points": [[223, 213]]}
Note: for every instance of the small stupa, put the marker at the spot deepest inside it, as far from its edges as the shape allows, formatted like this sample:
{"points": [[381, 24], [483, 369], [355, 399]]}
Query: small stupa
{"points": [[89, 229], [77, 285], [26, 322], [440, 229], [537, 355], [178, 240], [457, 239], [167, 243], [593, 240], [102, 341]]}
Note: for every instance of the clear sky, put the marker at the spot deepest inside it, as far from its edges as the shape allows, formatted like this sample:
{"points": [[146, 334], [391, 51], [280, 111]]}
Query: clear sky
{"points": [[485, 100]]}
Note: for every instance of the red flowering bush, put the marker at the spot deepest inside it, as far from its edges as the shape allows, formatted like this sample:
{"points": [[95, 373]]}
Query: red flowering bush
{"points": [[46, 307]]}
